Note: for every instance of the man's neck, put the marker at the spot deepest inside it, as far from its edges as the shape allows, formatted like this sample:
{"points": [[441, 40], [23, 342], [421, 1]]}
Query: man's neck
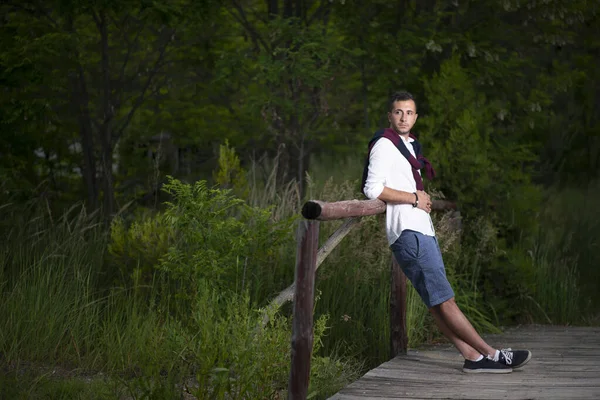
{"points": [[404, 136]]}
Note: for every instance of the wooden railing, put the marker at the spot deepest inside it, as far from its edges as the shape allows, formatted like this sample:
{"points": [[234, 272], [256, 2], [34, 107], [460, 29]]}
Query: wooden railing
{"points": [[308, 259]]}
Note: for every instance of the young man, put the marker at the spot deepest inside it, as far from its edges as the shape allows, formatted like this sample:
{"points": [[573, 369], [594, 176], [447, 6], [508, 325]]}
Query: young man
{"points": [[393, 175]]}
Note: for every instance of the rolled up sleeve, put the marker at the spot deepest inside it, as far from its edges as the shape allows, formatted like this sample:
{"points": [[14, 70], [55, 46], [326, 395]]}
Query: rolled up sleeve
{"points": [[379, 164]]}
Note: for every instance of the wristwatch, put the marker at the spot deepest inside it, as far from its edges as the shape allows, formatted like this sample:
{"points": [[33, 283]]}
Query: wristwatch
{"points": [[416, 203]]}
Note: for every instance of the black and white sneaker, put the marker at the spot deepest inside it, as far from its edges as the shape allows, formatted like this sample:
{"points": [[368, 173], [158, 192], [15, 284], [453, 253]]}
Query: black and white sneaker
{"points": [[514, 358], [485, 366]]}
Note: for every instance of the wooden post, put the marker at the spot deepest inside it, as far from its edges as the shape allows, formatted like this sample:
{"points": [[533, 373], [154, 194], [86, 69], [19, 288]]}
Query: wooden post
{"points": [[398, 334], [304, 298]]}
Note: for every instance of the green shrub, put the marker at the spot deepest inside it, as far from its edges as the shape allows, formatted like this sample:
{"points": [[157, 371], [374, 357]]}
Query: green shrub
{"points": [[234, 356], [230, 174], [204, 234], [136, 250]]}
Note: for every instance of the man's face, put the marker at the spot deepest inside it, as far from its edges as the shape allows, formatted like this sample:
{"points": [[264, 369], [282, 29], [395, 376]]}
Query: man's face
{"points": [[403, 116]]}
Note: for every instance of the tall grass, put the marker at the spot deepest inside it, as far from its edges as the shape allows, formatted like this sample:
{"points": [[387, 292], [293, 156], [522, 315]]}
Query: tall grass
{"points": [[565, 256], [49, 271], [58, 312], [556, 294]]}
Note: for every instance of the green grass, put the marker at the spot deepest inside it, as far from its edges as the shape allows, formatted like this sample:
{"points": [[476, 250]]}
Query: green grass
{"points": [[49, 309]]}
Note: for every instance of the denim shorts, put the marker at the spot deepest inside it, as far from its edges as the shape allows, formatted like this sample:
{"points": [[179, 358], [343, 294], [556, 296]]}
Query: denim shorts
{"points": [[420, 258]]}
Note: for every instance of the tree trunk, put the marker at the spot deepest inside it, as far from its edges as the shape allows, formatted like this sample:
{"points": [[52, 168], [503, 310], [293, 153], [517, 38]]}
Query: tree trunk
{"points": [[105, 131], [80, 105], [272, 8], [365, 94], [87, 147], [108, 183], [302, 163], [288, 9]]}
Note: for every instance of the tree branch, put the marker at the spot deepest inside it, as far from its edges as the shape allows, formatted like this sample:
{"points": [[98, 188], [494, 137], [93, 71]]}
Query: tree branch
{"points": [[138, 102], [96, 17], [36, 12], [108, 112], [242, 19], [321, 13], [130, 47]]}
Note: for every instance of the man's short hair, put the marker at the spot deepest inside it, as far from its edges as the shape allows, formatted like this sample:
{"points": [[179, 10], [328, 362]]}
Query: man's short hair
{"points": [[400, 96]]}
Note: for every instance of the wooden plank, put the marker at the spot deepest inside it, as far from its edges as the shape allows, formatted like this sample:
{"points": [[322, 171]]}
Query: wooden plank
{"points": [[565, 365]]}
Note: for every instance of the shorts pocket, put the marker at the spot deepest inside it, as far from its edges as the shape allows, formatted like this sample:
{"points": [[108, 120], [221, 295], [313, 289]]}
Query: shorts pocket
{"points": [[410, 246]]}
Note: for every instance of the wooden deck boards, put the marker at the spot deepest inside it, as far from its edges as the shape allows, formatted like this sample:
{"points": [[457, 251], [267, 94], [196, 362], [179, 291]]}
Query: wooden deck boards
{"points": [[565, 365]]}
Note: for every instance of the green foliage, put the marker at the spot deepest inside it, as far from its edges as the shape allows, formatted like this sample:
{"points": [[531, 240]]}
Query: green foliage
{"points": [[136, 249], [218, 348], [508, 78], [204, 234], [234, 356], [486, 168], [219, 238], [565, 256], [477, 169], [230, 174]]}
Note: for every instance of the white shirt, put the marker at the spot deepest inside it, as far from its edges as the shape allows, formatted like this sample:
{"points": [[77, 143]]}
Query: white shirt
{"points": [[389, 168]]}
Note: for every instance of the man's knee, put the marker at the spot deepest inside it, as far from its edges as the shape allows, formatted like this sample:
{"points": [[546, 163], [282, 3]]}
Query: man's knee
{"points": [[446, 305]]}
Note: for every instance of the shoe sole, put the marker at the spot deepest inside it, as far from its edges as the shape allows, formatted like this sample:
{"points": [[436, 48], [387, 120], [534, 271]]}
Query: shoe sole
{"points": [[488, 371], [524, 362]]}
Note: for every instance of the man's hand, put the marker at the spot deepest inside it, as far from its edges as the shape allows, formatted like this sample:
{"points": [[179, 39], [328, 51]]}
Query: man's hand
{"points": [[424, 201]]}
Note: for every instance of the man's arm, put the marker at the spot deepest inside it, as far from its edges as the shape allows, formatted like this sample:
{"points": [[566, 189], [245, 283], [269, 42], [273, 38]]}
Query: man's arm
{"points": [[400, 197]]}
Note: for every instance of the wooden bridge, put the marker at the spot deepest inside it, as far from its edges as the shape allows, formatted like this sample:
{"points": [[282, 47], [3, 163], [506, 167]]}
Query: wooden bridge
{"points": [[565, 365]]}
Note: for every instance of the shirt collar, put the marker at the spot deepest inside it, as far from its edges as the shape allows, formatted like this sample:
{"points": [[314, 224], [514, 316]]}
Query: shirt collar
{"points": [[409, 140]]}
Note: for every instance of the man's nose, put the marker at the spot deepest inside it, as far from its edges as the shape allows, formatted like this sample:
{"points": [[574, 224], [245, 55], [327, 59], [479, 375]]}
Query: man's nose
{"points": [[402, 117]]}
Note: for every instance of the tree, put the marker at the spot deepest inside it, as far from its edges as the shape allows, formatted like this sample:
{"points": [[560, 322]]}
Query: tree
{"points": [[295, 58], [108, 59]]}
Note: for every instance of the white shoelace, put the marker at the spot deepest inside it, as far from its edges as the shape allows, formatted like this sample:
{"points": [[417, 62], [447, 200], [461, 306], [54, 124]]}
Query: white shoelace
{"points": [[508, 355]]}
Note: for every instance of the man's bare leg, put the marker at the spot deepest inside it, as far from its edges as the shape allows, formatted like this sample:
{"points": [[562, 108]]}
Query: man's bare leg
{"points": [[453, 323], [467, 351]]}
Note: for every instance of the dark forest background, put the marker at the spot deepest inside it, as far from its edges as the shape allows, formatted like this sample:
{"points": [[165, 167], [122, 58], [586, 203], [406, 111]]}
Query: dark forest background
{"points": [[154, 157]]}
